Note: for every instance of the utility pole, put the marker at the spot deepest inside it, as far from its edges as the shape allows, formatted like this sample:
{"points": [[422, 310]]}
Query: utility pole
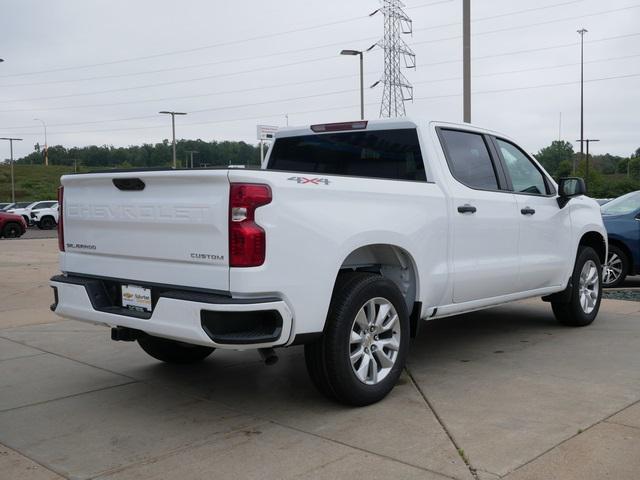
{"points": [[46, 145], [13, 184], [587, 141], [191, 152], [466, 61], [582, 31], [173, 131], [560, 128], [397, 54], [360, 53]]}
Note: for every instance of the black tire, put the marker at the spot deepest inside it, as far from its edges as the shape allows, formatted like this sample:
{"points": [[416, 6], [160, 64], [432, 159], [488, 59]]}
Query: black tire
{"points": [[171, 351], [614, 250], [27, 220], [12, 230], [47, 223], [328, 359], [571, 313]]}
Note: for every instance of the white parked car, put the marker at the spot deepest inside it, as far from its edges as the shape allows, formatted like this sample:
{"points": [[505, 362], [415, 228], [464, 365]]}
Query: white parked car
{"points": [[348, 236], [26, 210], [45, 218]]}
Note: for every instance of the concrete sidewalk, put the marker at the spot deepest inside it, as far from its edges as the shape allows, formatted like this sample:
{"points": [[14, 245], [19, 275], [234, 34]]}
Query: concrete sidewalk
{"points": [[501, 393]]}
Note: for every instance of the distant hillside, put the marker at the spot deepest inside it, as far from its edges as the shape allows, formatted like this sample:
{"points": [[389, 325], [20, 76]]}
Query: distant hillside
{"points": [[33, 182]]}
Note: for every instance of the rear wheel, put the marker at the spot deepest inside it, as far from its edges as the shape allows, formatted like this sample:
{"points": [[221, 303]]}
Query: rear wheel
{"points": [[362, 351], [616, 268], [586, 293], [171, 351], [12, 230]]}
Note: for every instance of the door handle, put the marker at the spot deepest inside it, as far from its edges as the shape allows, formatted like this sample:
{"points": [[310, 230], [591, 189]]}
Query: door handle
{"points": [[466, 208], [527, 211]]}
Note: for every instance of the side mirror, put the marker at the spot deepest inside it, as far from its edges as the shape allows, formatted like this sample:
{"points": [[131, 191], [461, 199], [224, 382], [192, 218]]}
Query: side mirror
{"points": [[570, 187]]}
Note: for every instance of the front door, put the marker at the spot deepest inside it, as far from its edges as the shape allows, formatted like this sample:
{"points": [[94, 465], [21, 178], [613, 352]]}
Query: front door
{"points": [[545, 228]]}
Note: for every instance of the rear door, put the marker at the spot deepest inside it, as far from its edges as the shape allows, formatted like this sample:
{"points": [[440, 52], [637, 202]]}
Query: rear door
{"points": [[484, 219], [163, 227], [545, 228]]}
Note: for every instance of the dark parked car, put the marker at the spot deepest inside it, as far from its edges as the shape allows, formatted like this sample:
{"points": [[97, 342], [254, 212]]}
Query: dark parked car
{"points": [[12, 226], [622, 220]]}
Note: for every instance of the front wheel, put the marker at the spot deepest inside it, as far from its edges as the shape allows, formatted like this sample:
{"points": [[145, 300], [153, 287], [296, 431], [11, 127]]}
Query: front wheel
{"points": [[11, 230], [171, 351], [586, 293], [363, 349]]}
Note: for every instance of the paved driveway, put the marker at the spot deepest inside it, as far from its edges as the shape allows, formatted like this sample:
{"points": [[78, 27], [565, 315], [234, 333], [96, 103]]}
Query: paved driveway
{"points": [[505, 392]]}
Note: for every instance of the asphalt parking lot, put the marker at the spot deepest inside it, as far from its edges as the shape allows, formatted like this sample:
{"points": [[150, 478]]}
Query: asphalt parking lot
{"points": [[502, 393]]}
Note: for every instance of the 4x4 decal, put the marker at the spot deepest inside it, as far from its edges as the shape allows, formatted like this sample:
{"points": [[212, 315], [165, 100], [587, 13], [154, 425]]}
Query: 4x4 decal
{"points": [[314, 181]]}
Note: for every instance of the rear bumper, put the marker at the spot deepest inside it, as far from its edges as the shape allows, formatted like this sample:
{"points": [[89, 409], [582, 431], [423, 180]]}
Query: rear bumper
{"points": [[180, 314]]}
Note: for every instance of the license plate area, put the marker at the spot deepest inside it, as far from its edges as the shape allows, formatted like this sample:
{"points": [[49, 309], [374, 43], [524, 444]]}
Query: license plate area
{"points": [[136, 298]]}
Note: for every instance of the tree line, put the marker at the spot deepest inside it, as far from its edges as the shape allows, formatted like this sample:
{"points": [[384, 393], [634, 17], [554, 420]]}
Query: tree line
{"points": [[609, 175], [148, 155]]}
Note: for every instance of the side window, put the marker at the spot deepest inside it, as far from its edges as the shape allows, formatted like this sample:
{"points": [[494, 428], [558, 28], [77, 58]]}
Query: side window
{"points": [[525, 176], [469, 159], [38, 206]]}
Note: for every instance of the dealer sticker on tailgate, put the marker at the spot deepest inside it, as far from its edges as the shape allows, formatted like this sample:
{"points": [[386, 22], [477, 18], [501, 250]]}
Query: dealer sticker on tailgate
{"points": [[136, 298]]}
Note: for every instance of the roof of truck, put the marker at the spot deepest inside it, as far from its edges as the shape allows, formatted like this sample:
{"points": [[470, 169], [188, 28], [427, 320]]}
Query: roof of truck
{"points": [[374, 124]]}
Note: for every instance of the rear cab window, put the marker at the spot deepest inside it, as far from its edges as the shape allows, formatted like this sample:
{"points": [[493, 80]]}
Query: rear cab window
{"points": [[469, 160], [389, 154]]}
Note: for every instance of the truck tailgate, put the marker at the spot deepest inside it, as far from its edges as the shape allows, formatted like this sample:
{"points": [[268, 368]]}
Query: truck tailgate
{"points": [[166, 227]]}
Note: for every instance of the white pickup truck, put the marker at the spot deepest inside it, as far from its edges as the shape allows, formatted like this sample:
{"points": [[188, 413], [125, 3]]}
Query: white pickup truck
{"points": [[348, 235]]}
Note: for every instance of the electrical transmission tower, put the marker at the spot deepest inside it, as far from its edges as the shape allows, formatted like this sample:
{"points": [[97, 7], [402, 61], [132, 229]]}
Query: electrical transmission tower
{"points": [[397, 55]]}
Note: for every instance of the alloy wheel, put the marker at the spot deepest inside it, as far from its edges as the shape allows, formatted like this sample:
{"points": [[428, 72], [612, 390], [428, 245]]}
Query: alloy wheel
{"points": [[374, 341], [612, 269], [588, 286]]}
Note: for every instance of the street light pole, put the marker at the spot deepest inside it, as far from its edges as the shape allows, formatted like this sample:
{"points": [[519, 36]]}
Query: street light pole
{"points": [[466, 61], [582, 31], [360, 53], [46, 145], [173, 131], [13, 184], [587, 141]]}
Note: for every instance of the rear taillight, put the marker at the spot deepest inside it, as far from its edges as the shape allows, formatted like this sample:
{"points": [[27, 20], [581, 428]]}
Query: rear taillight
{"points": [[247, 240], [60, 219]]}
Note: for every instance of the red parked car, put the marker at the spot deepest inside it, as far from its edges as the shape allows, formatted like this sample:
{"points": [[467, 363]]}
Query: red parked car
{"points": [[12, 226]]}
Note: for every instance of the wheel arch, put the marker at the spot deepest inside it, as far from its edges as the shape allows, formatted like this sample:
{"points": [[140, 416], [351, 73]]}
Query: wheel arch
{"points": [[596, 241], [390, 261]]}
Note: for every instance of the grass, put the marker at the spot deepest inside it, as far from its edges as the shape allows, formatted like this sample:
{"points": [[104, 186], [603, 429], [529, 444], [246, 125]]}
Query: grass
{"points": [[33, 182]]}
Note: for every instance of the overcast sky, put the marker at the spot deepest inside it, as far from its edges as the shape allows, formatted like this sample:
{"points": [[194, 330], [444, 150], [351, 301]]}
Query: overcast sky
{"points": [[98, 71]]}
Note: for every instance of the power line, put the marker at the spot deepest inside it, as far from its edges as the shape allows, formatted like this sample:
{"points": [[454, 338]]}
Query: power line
{"points": [[528, 25], [304, 82], [491, 17], [174, 82], [184, 67], [477, 92], [206, 47], [299, 50], [208, 77], [181, 97]]}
